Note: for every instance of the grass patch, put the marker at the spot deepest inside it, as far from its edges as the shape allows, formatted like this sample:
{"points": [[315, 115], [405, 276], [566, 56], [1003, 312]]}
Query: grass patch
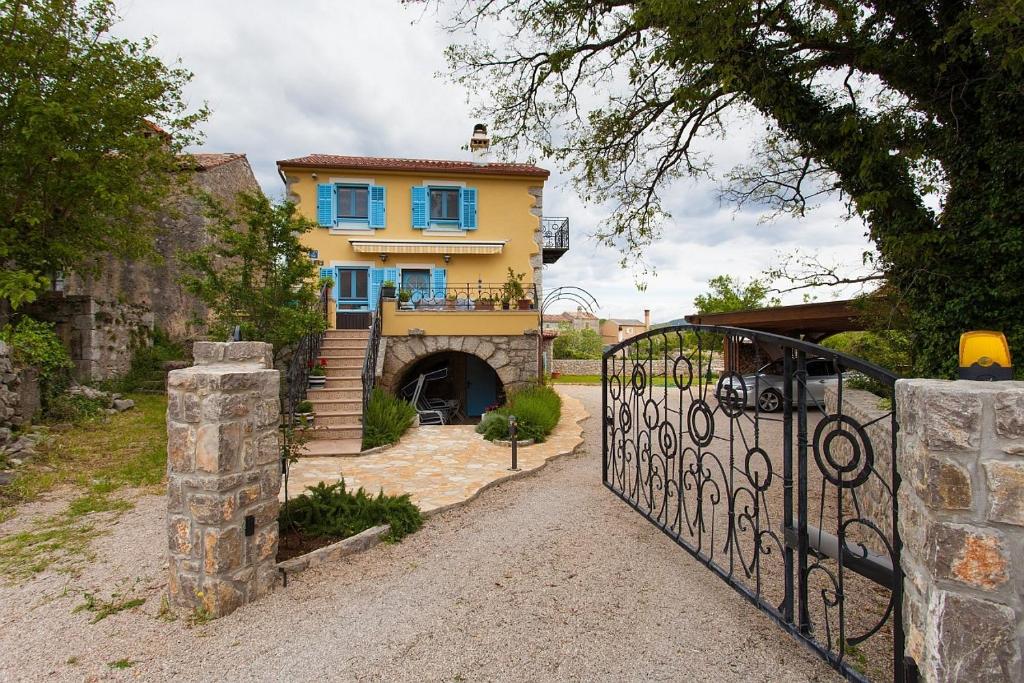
{"points": [[576, 379], [98, 457], [537, 411], [657, 380], [386, 418], [101, 609], [331, 512], [121, 664]]}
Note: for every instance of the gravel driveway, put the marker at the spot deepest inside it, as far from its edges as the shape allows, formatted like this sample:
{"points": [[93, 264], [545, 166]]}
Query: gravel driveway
{"points": [[549, 577]]}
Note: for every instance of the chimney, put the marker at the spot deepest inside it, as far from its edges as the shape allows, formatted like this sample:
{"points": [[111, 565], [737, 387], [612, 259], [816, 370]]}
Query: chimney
{"points": [[647, 318], [480, 144]]}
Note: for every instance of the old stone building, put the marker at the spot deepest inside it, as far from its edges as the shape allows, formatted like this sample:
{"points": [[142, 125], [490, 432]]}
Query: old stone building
{"points": [[102, 317]]}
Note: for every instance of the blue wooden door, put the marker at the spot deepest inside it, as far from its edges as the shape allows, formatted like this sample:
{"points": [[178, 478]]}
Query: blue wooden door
{"points": [[481, 386]]}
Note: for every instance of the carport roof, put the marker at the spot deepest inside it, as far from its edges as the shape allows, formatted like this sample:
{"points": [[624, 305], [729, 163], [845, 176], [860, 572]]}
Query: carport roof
{"points": [[813, 321]]}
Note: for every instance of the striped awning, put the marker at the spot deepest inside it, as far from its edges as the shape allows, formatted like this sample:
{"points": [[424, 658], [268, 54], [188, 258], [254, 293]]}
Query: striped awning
{"points": [[426, 247]]}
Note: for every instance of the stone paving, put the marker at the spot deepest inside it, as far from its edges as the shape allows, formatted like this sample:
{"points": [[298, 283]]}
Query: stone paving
{"points": [[441, 466]]}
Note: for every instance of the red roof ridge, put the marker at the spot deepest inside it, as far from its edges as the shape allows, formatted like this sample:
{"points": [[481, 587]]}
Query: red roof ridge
{"points": [[405, 164]]}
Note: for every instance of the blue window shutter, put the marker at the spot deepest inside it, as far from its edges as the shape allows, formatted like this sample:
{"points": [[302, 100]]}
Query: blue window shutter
{"points": [[467, 208], [329, 271], [325, 204], [377, 206], [391, 274], [439, 277], [376, 279], [420, 214]]}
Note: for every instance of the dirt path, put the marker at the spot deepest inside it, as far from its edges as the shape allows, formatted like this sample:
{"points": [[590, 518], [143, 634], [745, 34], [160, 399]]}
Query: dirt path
{"points": [[549, 577]]}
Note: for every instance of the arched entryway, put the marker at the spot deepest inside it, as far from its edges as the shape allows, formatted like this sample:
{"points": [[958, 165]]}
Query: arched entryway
{"points": [[469, 380]]}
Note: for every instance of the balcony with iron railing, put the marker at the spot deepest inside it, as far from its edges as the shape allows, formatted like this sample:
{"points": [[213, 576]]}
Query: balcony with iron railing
{"points": [[556, 238], [461, 309]]}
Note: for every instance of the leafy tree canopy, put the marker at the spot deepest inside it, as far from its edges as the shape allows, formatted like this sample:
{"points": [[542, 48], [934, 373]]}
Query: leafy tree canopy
{"points": [[577, 344], [910, 109], [256, 274], [726, 294], [81, 171]]}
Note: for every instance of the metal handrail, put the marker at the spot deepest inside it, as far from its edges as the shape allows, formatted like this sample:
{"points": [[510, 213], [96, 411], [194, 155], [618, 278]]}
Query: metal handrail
{"points": [[306, 353], [370, 357], [556, 232], [466, 297]]}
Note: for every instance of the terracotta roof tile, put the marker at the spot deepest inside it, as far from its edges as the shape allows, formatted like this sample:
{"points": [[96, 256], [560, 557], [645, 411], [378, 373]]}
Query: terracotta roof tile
{"points": [[206, 161], [420, 165]]}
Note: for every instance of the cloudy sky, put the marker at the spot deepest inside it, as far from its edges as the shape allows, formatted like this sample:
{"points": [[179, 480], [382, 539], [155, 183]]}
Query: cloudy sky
{"points": [[360, 77]]}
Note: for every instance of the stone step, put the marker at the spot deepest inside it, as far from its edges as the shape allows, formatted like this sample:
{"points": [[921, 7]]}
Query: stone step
{"points": [[339, 419], [332, 345], [326, 405], [346, 334], [331, 447], [323, 432], [334, 394], [349, 382], [344, 373], [341, 360]]}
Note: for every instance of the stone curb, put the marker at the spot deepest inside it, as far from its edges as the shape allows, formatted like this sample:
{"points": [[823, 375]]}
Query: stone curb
{"points": [[507, 443], [364, 540]]}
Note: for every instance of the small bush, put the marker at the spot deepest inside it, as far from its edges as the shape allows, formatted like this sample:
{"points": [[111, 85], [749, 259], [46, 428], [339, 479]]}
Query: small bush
{"points": [[36, 344], [537, 411], [330, 511], [385, 419], [146, 371], [73, 408]]}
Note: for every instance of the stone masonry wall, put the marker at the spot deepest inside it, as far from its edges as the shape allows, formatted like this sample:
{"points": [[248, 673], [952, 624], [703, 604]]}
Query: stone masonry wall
{"points": [[223, 477], [961, 455], [514, 358], [100, 335], [10, 396]]}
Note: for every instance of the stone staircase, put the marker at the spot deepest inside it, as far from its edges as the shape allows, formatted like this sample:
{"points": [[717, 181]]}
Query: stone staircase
{"points": [[339, 404]]}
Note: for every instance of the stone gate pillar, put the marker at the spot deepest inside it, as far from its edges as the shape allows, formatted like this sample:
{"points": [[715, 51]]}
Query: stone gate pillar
{"points": [[223, 476], [961, 456]]}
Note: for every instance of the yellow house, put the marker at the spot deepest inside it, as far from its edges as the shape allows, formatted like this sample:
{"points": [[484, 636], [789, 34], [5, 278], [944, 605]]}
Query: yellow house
{"points": [[428, 245]]}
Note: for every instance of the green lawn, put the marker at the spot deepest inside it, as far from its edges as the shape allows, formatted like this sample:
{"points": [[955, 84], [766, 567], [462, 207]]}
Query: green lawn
{"points": [[97, 457], [657, 380]]}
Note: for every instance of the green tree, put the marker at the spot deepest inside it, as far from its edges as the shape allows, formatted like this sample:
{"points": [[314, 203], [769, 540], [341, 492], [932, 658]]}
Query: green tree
{"points": [[910, 110], [256, 274], [81, 168], [726, 294], [577, 344]]}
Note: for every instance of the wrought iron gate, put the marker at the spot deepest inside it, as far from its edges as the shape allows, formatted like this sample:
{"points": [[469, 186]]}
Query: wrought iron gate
{"points": [[751, 452]]}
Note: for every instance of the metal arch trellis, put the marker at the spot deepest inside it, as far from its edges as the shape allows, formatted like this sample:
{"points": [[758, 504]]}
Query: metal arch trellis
{"points": [[796, 510]]}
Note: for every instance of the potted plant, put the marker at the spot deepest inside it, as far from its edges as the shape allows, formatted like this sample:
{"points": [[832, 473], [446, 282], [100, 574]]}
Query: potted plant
{"points": [[505, 302], [387, 289], [484, 303], [514, 290], [317, 376], [451, 301], [304, 413], [404, 298]]}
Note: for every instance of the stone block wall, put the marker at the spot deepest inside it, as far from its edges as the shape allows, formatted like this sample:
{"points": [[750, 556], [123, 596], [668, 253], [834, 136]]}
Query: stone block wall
{"points": [[100, 335], [961, 456], [10, 383], [223, 477], [568, 366]]}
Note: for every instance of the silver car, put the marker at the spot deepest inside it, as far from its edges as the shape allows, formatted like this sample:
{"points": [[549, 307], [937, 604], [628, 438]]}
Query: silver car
{"points": [[766, 387]]}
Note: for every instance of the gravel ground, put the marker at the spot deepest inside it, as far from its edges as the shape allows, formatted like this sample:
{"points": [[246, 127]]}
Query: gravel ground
{"points": [[548, 577]]}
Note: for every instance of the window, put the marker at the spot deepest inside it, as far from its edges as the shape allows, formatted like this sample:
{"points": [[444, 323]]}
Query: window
{"points": [[444, 204], [352, 289], [416, 280], [820, 368], [353, 202]]}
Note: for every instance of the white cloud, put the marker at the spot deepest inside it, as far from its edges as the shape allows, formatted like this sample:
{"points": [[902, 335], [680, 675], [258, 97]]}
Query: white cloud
{"points": [[358, 77]]}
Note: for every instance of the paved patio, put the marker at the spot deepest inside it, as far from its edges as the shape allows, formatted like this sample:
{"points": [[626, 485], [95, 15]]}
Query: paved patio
{"points": [[441, 466]]}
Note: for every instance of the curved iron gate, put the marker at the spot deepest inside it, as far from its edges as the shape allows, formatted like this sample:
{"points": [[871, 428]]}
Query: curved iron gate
{"points": [[749, 450]]}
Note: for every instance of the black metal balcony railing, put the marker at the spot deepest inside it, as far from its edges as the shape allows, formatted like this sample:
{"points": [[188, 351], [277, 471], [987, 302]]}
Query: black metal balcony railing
{"points": [[472, 296], [556, 238]]}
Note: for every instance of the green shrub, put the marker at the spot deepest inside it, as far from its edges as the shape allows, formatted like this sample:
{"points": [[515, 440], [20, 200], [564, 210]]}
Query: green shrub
{"points": [[330, 511], [385, 419], [537, 411], [36, 344], [73, 408], [146, 371]]}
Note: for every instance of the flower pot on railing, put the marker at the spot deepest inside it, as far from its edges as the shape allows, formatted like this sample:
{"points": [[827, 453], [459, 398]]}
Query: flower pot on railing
{"points": [[484, 304], [388, 292], [505, 304], [525, 304], [451, 302]]}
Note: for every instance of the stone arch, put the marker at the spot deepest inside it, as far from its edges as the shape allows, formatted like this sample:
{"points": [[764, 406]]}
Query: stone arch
{"points": [[513, 358]]}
